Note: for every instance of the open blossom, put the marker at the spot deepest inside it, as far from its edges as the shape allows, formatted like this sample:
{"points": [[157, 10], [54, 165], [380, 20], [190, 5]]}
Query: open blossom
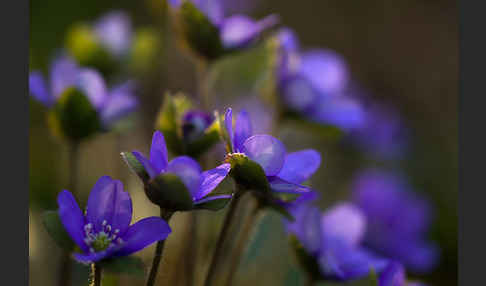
{"points": [[198, 183], [333, 240], [104, 231], [315, 83], [398, 219], [235, 31], [284, 171], [111, 105]]}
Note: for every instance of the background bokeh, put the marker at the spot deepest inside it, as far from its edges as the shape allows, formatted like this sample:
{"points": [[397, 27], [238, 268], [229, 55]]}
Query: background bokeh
{"points": [[404, 52]]}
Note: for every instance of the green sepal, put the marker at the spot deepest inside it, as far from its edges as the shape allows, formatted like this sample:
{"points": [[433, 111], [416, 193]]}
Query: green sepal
{"points": [[213, 205], [52, 223], [201, 35], [169, 192], [168, 121], [135, 166], [248, 173], [306, 261], [130, 265], [74, 117], [372, 279], [85, 46]]}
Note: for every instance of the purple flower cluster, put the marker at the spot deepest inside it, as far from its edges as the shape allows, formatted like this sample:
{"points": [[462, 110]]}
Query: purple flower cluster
{"points": [[110, 104], [315, 83], [104, 231]]}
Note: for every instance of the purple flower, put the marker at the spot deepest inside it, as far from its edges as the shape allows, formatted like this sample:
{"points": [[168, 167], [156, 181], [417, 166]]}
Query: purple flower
{"points": [[111, 105], [235, 31], [394, 275], [104, 231], [398, 219], [114, 31], [285, 172], [333, 241], [315, 83], [383, 133], [198, 183]]}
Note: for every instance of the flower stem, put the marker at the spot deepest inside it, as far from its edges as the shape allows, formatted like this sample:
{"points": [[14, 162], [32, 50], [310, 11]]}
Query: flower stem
{"points": [[65, 263], [159, 250], [221, 239], [242, 243], [95, 276]]}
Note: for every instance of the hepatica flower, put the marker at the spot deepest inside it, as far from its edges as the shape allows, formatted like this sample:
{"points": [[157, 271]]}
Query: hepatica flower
{"points": [[211, 32], [79, 97], [398, 219], [104, 231], [285, 172], [394, 275], [330, 243], [198, 184], [315, 84], [114, 31]]}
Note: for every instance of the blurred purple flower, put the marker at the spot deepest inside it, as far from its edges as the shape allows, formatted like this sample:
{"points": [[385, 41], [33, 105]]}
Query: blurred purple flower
{"points": [[334, 240], [285, 172], [199, 183], [114, 31], [394, 275], [316, 83], [104, 231], [398, 219], [111, 105], [236, 31], [383, 133]]}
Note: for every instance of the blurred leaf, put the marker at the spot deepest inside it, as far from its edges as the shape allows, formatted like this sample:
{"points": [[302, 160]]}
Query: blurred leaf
{"points": [[146, 44], [135, 166], [169, 192], [124, 265], [52, 223]]}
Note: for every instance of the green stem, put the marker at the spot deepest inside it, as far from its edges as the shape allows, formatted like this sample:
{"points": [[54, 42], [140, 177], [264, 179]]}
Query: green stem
{"points": [[95, 276], [242, 243], [65, 263], [222, 236], [159, 251]]}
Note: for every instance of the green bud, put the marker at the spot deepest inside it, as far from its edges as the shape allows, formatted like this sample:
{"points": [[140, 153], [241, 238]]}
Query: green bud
{"points": [[201, 35], [83, 44], [169, 192], [74, 117], [145, 46]]}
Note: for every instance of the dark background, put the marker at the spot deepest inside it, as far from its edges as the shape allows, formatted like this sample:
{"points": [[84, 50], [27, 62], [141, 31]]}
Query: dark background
{"points": [[403, 52]]}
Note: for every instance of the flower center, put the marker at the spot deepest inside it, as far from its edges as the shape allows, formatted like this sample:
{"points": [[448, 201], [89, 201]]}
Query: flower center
{"points": [[102, 240]]}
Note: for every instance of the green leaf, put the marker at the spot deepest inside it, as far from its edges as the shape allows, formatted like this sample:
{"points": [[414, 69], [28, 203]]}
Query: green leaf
{"points": [[201, 35], [52, 223], [130, 265], [74, 117], [213, 205], [169, 192], [135, 165]]}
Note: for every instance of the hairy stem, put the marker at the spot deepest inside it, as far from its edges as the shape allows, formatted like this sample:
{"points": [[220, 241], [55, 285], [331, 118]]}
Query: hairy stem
{"points": [[159, 251], [95, 275], [222, 236], [242, 243]]}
